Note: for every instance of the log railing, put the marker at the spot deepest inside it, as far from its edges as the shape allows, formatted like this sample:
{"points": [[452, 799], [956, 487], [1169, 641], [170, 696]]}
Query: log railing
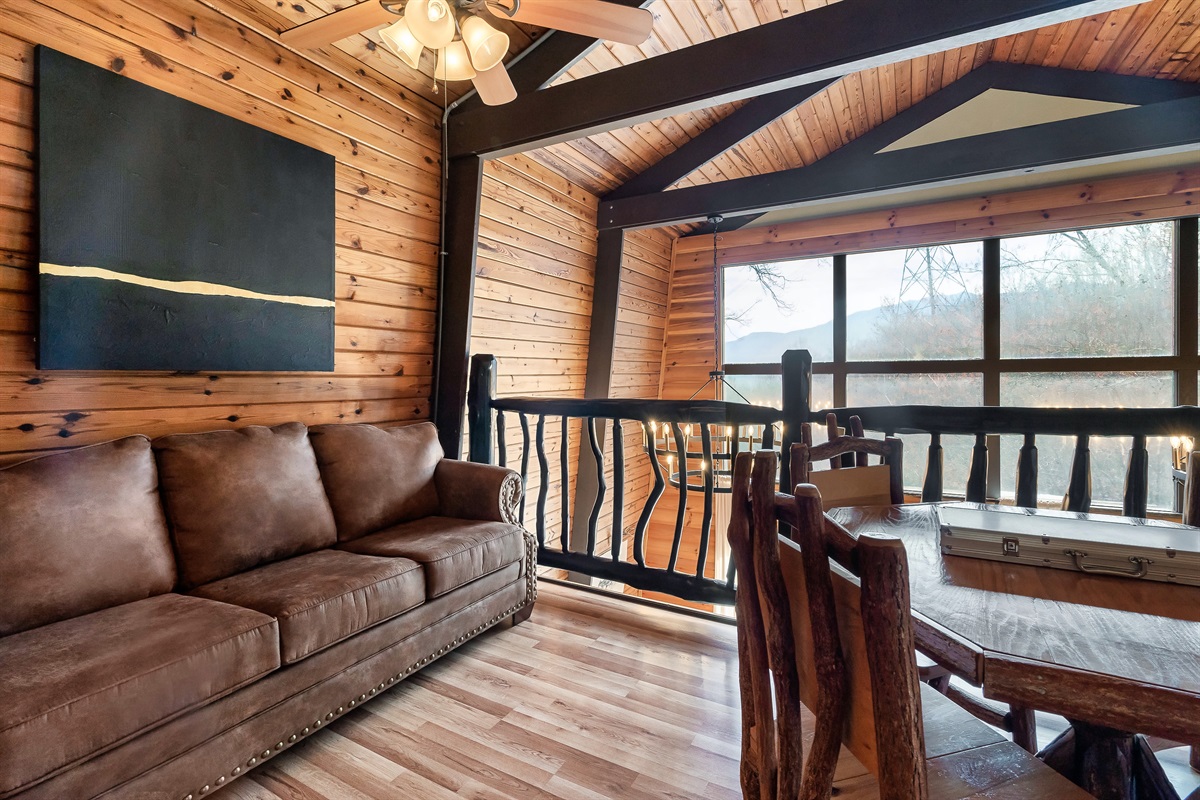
{"points": [[987, 423], [702, 463], [670, 430]]}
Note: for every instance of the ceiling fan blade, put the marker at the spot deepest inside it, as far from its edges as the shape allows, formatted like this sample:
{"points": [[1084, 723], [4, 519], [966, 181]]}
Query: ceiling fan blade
{"points": [[589, 18], [338, 25]]}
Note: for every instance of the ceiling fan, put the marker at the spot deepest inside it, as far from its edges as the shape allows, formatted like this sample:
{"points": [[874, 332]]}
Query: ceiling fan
{"points": [[467, 45]]}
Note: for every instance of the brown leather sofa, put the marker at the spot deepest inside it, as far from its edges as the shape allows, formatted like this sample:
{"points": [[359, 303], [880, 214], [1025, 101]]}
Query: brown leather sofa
{"points": [[173, 613]]}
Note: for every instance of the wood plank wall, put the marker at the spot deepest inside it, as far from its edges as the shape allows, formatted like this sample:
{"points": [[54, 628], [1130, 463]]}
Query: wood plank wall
{"points": [[537, 246], [220, 56], [533, 305]]}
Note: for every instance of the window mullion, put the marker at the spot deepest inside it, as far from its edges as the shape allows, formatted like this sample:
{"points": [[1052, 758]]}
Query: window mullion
{"points": [[839, 330]]}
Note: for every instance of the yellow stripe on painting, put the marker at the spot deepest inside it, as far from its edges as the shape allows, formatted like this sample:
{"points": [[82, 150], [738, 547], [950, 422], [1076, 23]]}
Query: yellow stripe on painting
{"points": [[182, 287]]}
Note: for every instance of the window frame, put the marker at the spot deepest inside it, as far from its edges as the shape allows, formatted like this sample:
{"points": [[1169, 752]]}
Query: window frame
{"points": [[1183, 362]]}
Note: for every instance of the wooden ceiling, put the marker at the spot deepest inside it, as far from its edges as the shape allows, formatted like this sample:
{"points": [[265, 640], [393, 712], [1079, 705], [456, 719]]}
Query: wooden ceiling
{"points": [[1160, 39]]}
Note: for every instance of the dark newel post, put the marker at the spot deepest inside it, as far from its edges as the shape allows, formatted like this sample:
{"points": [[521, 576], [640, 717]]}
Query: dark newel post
{"points": [[479, 408], [797, 396], [610, 250], [456, 293]]}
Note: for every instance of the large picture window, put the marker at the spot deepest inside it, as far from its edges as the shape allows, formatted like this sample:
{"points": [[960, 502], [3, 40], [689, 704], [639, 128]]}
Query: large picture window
{"points": [[1074, 318]]}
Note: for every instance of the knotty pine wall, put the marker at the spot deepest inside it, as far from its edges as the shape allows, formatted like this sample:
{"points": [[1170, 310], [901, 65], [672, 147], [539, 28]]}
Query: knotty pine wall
{"points": [[536, 248], [533, 305], [387, 150]]}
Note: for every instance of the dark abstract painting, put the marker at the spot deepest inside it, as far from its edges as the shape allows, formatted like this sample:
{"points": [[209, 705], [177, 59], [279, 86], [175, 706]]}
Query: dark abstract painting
{"points": [[173, 237]]}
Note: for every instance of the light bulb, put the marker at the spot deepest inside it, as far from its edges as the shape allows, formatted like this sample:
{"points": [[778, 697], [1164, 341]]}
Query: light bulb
{"points": [[486, 45], [399, 39], [495, 87], [431, 21], [454, 64]]}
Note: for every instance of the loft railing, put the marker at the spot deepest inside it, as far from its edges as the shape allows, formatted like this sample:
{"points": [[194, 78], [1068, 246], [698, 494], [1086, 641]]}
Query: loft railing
{"points": [[987, 423], [669, 432], [695, 472]]}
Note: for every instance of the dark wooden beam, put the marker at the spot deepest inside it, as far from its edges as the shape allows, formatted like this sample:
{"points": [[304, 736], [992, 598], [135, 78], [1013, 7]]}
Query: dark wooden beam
{"points": [[606, 287], [602, 337], [824, 43], [545, 60], [456, 294], [710, 143], [1172, 126]]}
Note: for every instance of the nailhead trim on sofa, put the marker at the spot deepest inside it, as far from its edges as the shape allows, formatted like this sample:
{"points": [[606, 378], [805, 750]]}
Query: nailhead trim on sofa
{"points": [[282, 744]]}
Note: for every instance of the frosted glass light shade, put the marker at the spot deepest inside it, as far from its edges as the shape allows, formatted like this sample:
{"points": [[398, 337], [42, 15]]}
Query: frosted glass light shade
{"points": [[454, 64], [494, 86], [400, 40], [431, 21], [486, 45]]}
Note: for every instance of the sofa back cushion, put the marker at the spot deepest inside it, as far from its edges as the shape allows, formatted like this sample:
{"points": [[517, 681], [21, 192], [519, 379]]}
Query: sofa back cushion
{"points": [[79, 532], [376, 478], [238, 499]]}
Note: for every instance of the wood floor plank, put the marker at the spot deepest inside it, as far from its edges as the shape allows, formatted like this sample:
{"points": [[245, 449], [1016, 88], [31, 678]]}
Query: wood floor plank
{"points": [[590, 699]]}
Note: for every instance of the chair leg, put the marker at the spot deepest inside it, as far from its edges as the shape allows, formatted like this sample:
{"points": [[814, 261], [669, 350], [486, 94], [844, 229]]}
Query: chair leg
{"points": [[1024, 728], [1194, 758]]}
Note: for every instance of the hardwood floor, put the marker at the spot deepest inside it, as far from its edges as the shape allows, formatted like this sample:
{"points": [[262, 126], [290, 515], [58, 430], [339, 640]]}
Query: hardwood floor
{"points": [[591, 698]]}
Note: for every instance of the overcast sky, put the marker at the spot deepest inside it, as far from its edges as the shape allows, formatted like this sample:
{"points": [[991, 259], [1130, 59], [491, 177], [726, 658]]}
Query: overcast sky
{"points": [[872, 279]]}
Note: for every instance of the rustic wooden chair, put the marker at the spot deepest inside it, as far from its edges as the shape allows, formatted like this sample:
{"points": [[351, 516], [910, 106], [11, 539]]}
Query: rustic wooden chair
{"points": [[838, 638], [883, 484], [859, 485], [862, 484]]}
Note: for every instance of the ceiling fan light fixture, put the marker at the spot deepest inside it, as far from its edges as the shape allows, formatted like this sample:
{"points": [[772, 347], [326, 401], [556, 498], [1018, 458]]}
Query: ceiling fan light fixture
{"points": [[494, 86], [486, 45], [454, 63], [399, 39], [431, 22]]}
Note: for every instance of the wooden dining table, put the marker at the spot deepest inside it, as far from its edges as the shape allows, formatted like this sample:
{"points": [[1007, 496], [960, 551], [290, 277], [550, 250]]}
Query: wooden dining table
{"points": [[1116, 656]]}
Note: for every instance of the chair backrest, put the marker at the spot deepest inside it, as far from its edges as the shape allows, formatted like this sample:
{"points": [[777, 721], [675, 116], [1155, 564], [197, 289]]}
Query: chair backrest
{"points": [[841, 629], [861, 485]]}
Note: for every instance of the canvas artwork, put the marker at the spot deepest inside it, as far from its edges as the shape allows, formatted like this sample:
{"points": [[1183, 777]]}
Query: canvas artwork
{"points": [[172, 237]]}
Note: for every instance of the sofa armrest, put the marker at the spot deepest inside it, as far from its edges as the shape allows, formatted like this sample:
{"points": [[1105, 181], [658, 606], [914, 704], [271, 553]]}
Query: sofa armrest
{"points": [[467, 490]]}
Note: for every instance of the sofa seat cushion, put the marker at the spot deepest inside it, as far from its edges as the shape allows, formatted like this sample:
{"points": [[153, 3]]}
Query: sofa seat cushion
{"points": [[73, 688], [453, 551], [324, 597]]}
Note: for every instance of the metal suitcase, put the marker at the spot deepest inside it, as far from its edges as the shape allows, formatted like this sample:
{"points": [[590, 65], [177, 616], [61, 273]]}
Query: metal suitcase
{"points": [[1135, 548]]}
